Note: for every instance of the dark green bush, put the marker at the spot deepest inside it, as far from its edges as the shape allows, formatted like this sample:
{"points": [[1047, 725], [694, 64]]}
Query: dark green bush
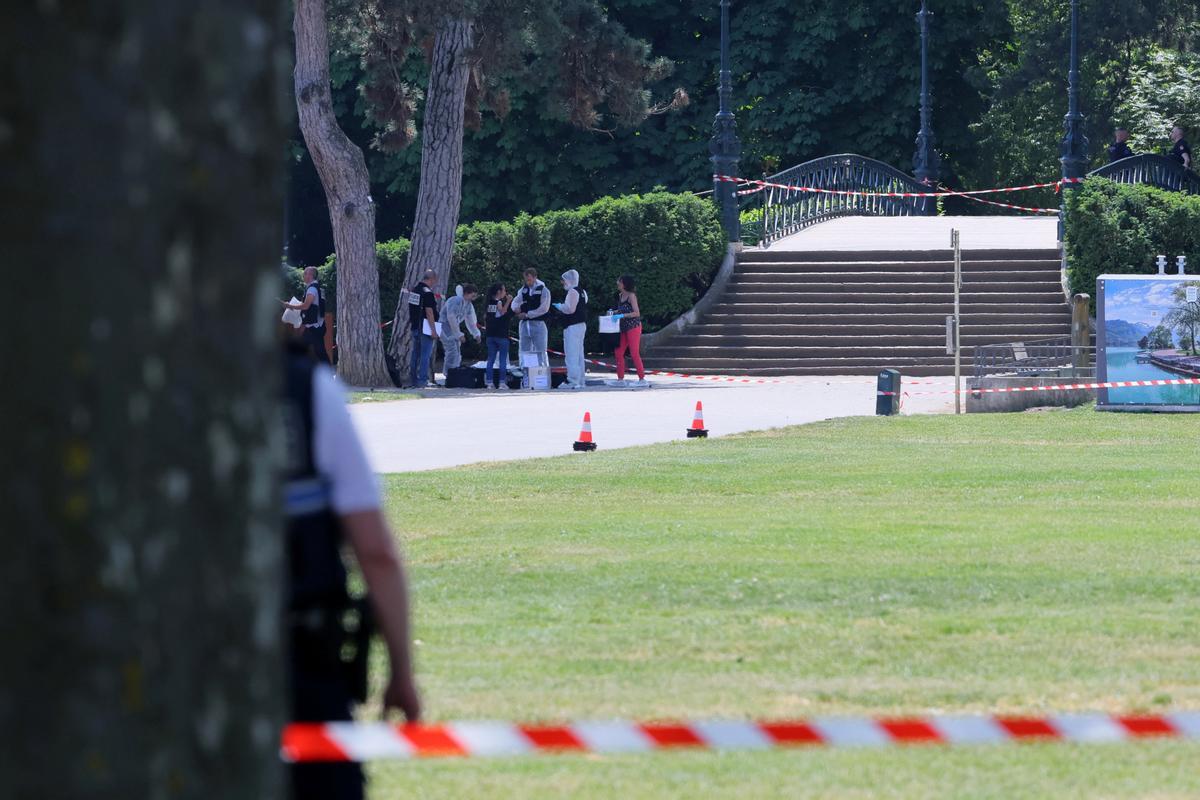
{"points": [[671, 243], [1116, 228]]}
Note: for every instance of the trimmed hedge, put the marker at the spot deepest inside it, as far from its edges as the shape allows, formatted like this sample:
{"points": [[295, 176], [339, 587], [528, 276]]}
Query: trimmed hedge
{"points": [[1117, 228], [671, 243]]}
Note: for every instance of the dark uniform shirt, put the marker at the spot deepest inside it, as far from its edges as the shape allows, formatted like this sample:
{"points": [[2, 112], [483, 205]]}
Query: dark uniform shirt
{"points": [[496, 325], [419, 299], [1119, 150], [1179, 149]]}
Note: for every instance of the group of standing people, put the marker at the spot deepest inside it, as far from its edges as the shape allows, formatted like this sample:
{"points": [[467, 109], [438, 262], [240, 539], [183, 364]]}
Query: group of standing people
{"points": [[1180, 152], [534, 307]]}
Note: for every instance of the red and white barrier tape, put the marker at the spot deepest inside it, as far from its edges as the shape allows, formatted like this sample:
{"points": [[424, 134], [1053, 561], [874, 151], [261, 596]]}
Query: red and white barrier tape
{"points": [[349, 741], [1031, 209], [793, 380], [1059, 387], [1056, 185]]}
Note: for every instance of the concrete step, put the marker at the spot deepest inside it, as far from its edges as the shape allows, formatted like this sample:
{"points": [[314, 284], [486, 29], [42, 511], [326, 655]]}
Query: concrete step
{"points": [[969, 267], [909, 370], [871, 327], [839, 337], [747, 311], [859, 316], [785, 280], [903, 294], [768, 256], [878, 349], [796, 366]]}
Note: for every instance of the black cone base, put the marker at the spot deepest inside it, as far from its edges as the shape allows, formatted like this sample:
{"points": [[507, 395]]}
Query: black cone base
{"points": [[697, 433], [584, 447]]}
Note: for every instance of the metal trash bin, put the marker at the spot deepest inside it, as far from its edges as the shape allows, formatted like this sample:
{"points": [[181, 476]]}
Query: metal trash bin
{"points": [[887, 397]]}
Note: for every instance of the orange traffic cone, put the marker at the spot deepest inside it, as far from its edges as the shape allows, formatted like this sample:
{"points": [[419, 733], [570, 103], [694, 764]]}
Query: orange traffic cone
{"points": [[585, 442], [697, 431]]}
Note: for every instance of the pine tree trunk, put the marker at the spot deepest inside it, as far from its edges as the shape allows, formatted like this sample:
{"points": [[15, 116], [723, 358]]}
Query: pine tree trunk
{"points": [[440, 194], [140, 582], [343, 172]]}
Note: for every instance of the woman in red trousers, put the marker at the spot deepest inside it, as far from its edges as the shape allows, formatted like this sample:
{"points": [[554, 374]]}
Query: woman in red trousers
{"points": [[631, 329]]}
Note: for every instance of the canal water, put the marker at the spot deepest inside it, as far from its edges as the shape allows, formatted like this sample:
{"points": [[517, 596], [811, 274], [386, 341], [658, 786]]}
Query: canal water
{"points": [[1122, 366]]}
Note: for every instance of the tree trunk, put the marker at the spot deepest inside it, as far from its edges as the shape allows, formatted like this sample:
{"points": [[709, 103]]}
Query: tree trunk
{"points": [[440, 193], [140, 583], [343, 172]]}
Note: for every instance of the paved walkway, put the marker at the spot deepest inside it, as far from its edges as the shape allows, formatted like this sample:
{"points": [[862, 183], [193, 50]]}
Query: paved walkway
{"points": [[449, 428], [925, 233]]}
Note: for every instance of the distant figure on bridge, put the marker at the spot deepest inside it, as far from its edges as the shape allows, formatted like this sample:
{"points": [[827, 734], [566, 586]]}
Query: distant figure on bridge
{"points": [[1181, 151], [1120, 147]]}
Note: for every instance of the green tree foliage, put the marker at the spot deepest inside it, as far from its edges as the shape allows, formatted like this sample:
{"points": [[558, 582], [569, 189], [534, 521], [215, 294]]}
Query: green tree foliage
{"points": [[1160, 339], [1117, 229], [812, 78], [1163, 91], [1184, 318], [1020, 133]]}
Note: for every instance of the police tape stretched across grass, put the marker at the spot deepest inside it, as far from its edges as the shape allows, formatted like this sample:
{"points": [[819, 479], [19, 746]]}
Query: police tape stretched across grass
{"points": [[341, 741]]}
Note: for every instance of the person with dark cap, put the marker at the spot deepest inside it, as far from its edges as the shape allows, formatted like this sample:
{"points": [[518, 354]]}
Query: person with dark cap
{"points": [[1120, 147], [331, 496]]}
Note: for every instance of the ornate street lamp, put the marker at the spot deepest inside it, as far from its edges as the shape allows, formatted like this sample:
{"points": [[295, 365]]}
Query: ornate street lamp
{"points": [[725, 147], [1074, 158], [926, 162]]}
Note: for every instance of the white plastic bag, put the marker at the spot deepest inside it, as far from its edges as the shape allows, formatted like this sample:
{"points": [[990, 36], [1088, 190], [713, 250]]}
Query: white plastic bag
{"points": [[291, 316], [610, 324]]}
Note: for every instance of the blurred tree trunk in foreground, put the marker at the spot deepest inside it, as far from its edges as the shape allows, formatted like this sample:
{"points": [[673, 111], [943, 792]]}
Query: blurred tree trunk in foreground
{"points": [[140, 155]]}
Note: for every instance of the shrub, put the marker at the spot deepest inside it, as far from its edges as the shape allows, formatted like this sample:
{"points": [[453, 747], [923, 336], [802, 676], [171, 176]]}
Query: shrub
{"points": [[1116, 228], [672, 243]]}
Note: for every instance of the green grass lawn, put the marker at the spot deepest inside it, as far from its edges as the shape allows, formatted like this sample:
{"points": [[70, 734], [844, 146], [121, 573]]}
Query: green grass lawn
{"points": [[992, 563]]}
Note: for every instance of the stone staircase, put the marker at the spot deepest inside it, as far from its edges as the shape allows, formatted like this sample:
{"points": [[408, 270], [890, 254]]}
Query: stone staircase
{"points": [[856, 312]]}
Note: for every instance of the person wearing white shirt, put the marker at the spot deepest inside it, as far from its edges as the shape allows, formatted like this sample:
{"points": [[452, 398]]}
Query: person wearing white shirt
{"points": [[331, 497]]}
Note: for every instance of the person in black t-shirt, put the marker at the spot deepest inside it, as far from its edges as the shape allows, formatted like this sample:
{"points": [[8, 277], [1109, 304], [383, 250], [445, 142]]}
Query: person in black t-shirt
{"points": [[422, 319], [1120, 147], [1181, 151], [495, 324]]}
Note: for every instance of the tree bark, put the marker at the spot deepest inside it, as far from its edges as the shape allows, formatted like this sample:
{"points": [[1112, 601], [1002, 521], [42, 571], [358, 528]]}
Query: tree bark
{"points": [[343, 172], [440, 194], [140, 583]]}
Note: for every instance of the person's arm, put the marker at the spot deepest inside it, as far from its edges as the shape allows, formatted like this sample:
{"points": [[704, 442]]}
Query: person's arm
{"points": [[1187, 157], [354, 497], [517, 305], [570, 301], [310, 297], [374, 549], [636, 313]]}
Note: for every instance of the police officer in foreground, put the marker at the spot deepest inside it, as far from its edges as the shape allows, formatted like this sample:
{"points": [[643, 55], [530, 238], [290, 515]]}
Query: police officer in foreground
{"points": [[331, 497], [312, 314]]}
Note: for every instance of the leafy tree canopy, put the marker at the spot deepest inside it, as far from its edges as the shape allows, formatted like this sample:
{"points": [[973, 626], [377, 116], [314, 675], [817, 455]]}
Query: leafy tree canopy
{"points": [[811, 78]]}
